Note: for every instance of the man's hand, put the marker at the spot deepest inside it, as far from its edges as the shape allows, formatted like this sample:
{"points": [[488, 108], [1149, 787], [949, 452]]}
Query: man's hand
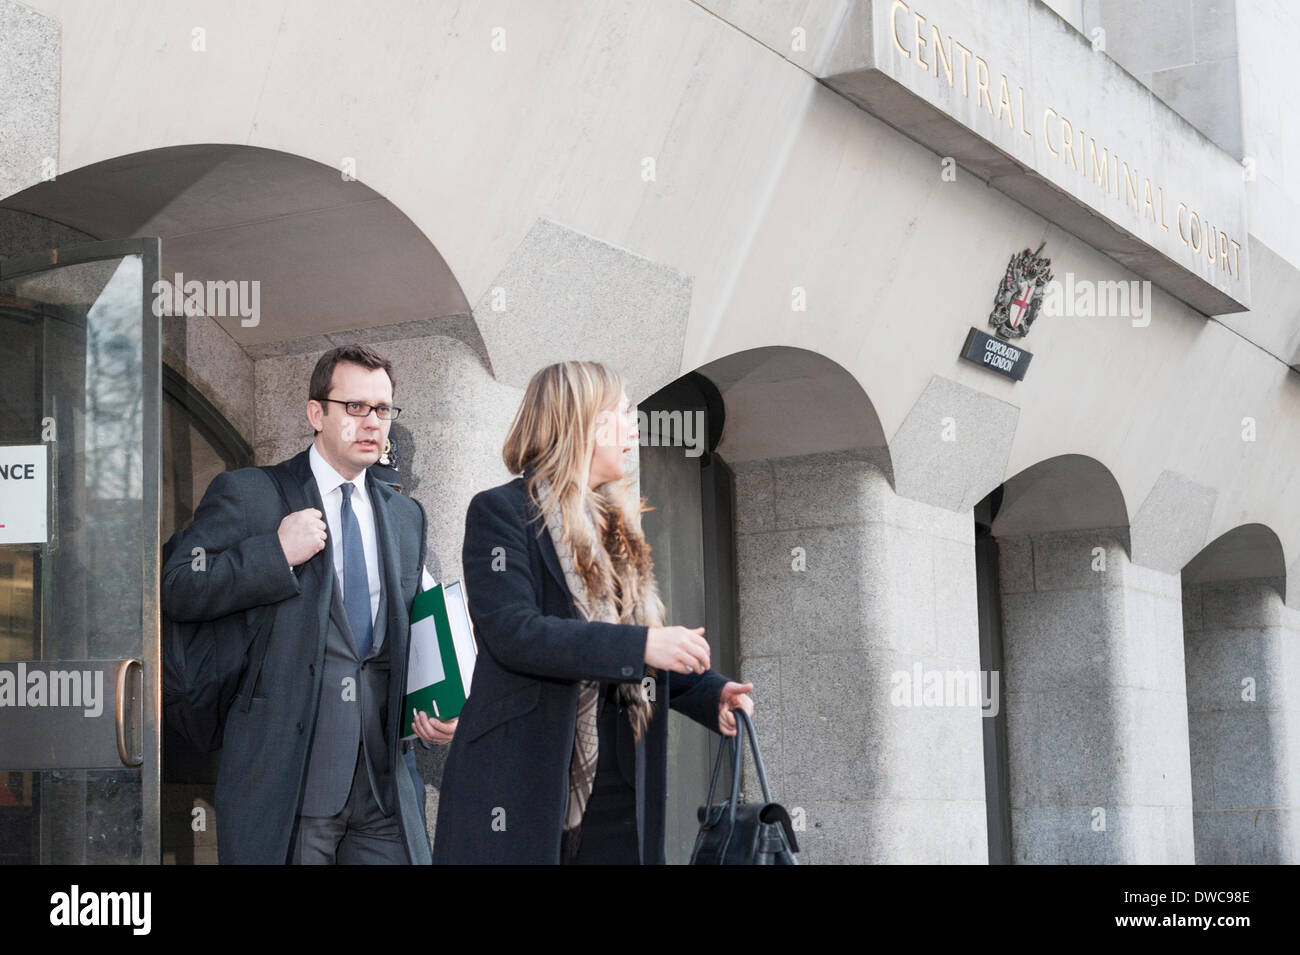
{"points": [[433, 731], [302, 535], [734, 695]]}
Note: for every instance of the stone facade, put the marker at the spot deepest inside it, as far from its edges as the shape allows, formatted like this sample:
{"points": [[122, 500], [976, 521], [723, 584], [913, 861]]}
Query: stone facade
{"points": [[731, 212]]}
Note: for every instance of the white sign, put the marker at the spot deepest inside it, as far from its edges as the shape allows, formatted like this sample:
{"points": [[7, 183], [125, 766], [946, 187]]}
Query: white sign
{"points": [[24, 483]]}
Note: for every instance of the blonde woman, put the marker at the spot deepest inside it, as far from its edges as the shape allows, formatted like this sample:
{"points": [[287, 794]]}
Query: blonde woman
{"points": [[561, 752]]}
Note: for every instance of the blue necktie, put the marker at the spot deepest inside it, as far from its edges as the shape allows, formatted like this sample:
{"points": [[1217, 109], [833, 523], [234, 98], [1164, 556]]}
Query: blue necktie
{"points": [[356, 584]]}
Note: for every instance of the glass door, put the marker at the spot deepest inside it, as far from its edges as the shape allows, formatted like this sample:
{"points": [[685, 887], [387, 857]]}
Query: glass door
{"points": [[80, 691]]}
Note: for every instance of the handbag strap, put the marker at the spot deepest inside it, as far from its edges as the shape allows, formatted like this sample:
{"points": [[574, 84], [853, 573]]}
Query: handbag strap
{"points": [[717, 767], [742, 718], [731, 803], [737, 758], [735, 744]]}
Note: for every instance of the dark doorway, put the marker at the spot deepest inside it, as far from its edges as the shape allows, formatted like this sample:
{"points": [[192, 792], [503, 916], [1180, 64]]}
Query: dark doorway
{"points": [[691, 532]]}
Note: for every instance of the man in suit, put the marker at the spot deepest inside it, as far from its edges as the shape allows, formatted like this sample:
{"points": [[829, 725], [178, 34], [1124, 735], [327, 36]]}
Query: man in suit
{"points": [[312, 767]]}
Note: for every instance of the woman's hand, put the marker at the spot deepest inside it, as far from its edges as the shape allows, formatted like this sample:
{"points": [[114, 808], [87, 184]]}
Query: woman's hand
{"points": [[433, 731], [734, 696], [677, 649]]}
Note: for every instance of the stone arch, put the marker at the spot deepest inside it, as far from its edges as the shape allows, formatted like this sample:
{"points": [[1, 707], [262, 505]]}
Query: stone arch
{"points": [[843, 584], [1090, 650], [1067, 492], [1241, 642], [1247, 552], [334, 260], [330, 256], [790, 402]]}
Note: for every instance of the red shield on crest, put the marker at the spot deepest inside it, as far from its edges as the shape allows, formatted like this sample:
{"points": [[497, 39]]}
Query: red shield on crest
{"points": [[1020, 304]]}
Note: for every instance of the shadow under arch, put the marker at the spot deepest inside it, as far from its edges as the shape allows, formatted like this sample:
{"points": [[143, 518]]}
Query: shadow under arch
{"points": [[784, 402], [1247, 552], [1062, 493], [330, 254]]}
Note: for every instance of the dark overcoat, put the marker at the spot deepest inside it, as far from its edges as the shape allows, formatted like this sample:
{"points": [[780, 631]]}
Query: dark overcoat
{"points": [[505, 786], [269, 727]]}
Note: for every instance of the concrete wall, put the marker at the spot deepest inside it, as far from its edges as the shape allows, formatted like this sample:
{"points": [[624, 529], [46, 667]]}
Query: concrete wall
{"points": [[213, 362], [23, 234], [1096, 705], [1187, 54], [1243, 670], [842, 584], [764, 183], [1267, 32], [762, 221], [29, 111]]}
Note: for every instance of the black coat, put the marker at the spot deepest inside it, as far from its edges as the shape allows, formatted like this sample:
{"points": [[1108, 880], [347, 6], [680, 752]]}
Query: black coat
{"points": [[268, 730], [505, 787]]}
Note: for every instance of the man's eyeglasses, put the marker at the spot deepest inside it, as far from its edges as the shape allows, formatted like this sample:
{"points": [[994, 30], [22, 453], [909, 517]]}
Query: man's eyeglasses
{"points": [[359, 409]]}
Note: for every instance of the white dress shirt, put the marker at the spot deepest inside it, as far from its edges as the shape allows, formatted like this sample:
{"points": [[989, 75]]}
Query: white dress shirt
{"points": [[330, 483]]}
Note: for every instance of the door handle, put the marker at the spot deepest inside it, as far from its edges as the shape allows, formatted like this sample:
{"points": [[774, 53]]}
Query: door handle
{"points": [[119, 709]]}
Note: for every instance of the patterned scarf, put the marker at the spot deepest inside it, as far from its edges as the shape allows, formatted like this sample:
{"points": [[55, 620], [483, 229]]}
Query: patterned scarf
{"points": [[596, 598]]}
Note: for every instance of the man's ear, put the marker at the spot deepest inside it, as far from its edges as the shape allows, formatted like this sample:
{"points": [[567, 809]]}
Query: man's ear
{"points": [[314, 412]]}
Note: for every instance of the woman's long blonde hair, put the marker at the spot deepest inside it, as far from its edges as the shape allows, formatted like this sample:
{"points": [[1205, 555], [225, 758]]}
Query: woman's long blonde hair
{"points": [[554, 432]]}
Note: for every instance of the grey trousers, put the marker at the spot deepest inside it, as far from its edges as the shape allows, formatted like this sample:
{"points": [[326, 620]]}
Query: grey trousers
{"points": [[359, 835]]}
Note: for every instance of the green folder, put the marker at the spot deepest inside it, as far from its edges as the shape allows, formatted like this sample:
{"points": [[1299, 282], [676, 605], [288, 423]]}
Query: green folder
{"points": [[441, 662]]}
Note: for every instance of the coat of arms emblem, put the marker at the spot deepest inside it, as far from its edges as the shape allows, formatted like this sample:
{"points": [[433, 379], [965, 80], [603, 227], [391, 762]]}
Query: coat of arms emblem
{"points": [[1020, 295]]}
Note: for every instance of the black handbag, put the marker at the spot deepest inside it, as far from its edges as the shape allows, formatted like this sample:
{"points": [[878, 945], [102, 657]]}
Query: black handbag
{"points": [[734, 833]]}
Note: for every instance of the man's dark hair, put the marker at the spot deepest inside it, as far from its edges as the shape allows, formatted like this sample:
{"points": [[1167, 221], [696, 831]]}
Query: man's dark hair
{"points": [[322, 376]]}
